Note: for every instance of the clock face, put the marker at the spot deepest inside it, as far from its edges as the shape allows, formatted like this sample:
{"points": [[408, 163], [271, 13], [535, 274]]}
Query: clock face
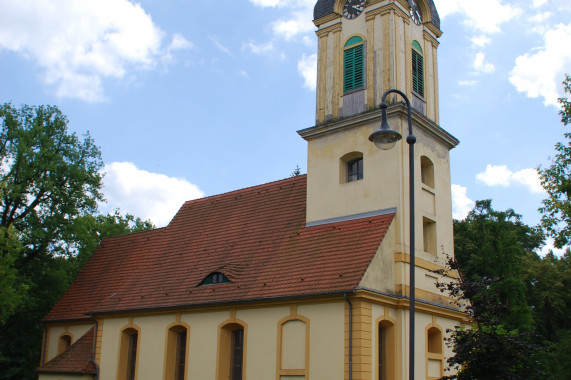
{"points": [[353, 8], [415, 12]]}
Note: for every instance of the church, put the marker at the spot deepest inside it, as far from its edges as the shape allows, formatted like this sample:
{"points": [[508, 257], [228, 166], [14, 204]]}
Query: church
{"points": [[302, 278]]}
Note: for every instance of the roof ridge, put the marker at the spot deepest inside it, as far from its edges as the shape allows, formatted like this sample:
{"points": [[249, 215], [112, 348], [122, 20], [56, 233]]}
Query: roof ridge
{"points": [[133, 234], [271, 183]]}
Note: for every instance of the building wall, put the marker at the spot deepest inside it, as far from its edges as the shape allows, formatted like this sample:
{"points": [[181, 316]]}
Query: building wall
{"points": [[54, 332], [314, 346], [262, 333]]}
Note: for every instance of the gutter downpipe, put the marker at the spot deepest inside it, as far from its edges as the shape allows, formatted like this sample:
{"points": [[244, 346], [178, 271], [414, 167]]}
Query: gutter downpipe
{"points": [[350, 336], [92, 357]]}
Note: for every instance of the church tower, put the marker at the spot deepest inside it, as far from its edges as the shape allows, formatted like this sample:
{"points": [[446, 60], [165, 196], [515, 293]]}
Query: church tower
{"points": [[366, 47]]}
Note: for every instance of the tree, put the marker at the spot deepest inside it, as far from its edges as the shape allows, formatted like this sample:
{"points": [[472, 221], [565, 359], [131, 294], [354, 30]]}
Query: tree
{"points": [[486, 349], [12, 291], [556, 180], [519, 302], [49, 177], [493, 244], [296, 171]]}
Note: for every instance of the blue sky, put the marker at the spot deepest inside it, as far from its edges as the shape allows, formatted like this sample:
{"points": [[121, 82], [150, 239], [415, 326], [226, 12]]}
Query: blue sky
{"points": [[192, 98]]}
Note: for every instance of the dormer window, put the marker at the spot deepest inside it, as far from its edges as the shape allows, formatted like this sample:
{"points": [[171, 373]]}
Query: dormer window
{"points": [[215, 278]]}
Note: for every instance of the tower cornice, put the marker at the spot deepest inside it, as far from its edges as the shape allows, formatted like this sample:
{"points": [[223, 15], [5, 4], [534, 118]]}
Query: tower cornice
{"points": [[395, 110]]}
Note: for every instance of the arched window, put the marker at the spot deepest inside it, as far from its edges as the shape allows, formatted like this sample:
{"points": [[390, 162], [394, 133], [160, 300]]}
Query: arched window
{"points": [[434, 355], [417, 69], [427, 171], [64, 343], [231, 350], [351, 168], [176, 352], [128, 349], [353, 64], [386, 358], [293, 348]]}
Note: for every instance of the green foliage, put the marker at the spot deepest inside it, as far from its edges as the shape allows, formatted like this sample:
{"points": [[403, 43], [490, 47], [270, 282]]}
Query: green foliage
{"points": [[556, 180], [487, 348], [519, 303], [296, 171], [492, 244], [12, 291], [49, 178]]}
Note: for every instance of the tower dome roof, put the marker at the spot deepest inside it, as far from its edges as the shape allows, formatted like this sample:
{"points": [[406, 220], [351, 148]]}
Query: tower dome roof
{"points": [[325, 7]]}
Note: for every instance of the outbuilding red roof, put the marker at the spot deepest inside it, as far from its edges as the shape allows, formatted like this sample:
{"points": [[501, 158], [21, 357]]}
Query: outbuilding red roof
{"points": [[256, 236], [76, 359]]}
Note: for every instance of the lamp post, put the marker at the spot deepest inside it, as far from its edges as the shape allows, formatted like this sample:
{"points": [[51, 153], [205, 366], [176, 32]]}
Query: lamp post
{"points": [[386, 138]]}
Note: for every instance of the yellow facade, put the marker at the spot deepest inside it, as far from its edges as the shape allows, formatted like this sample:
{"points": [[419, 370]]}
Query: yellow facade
{"points": [[284, 341]]}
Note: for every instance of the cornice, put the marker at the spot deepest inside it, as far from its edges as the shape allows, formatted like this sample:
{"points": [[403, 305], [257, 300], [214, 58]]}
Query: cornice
{"points": [[437, 32], [329, 29], [428, 36], [326, 19], [402, 302], [374, 116], [385, 9]]}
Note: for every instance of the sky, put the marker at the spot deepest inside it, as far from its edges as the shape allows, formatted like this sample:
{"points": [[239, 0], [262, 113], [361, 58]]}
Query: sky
{"points": [[191, 98]]}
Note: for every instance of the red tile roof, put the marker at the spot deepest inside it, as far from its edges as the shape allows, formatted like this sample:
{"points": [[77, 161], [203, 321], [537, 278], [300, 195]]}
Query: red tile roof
{"points": [[73, 360], [256, 236]]}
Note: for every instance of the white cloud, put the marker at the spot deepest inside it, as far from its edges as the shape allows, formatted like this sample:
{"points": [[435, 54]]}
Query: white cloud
{"points": [[540, 18], [244, 74], [539, 72], [298, 22], [78, 44], [486, 16], [295, 23], [262, 48], [550, 247], [144, 194], [539, 3], [307, 67], [461, 204], [470, 82], [481, 65], [267, 3], [283, 3], [219, 45], [178, 42], [500, 175], [480, 41]]}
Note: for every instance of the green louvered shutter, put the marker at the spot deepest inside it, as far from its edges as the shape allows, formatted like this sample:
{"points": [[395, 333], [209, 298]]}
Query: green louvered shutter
{"points": [[353, 72], [349, 67], [417, 73]]}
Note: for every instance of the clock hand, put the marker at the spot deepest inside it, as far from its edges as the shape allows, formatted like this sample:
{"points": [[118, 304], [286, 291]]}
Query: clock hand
{"points": [[358, 8]]}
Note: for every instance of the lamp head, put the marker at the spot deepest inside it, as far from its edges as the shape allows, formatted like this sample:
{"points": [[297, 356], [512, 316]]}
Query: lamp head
{"points": [[384, 137]]}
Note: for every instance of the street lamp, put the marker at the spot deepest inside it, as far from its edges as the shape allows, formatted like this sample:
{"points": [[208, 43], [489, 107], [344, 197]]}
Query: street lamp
{"points": [[385, 138]]}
